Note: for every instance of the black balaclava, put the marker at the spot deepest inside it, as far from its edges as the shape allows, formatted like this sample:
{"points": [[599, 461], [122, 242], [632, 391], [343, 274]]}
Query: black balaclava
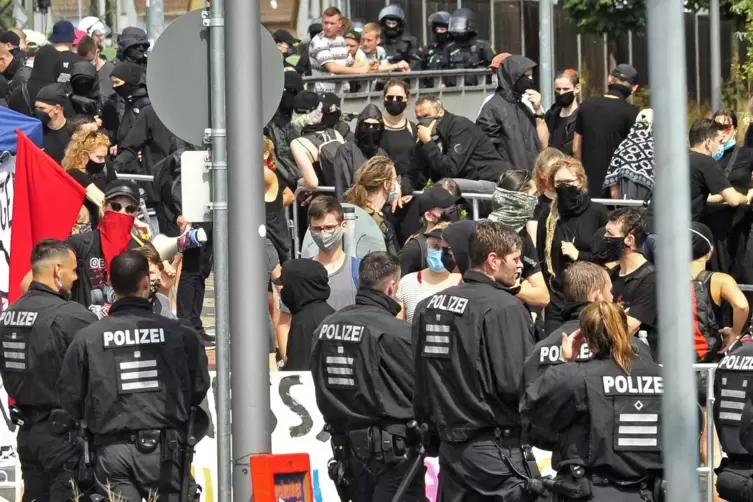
{"points": [[293, 86], [130, 73], [369, 135], [331, 111]]}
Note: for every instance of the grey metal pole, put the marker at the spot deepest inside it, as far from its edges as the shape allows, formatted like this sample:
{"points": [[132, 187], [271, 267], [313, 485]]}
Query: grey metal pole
{"points": [[546, 50], [424, 24], [492, 30], [155, 19], [715, 34], [606, 61], [666, 37], [218, 151], [579, 41], [30, 14], [252, 428], [696, 40], [522, 28], [80, 10]]}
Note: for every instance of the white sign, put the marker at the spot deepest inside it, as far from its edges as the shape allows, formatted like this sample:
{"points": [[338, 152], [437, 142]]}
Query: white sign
{"points": [[7, 176]]}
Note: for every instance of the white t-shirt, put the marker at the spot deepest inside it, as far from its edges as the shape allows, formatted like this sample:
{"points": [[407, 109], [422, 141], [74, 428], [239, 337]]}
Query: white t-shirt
{"points": [[322, 51], [410, 292]]}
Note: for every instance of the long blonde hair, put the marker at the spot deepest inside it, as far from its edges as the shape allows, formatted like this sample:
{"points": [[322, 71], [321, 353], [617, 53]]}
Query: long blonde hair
{"points": [[604, 326], [576, 168], [83, 142], [542, 168], [370, 177]]}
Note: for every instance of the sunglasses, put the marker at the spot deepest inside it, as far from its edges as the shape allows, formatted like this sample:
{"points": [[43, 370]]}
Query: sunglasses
{"points": [[395, 98], [117, 207]]}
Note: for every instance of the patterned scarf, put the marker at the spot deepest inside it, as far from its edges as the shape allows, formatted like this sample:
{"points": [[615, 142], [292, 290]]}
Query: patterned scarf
{"points": [[513, 209], [634, 158]]}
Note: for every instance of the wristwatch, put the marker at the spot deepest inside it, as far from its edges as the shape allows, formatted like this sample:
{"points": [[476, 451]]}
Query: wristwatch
{"points": [[539, 116]]}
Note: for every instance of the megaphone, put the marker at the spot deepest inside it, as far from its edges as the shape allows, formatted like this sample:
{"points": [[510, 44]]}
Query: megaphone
{"points": [[168, 247]]}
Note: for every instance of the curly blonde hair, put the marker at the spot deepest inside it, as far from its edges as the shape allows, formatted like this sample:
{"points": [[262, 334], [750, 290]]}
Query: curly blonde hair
{"points": [[83, 142], [370, 177]]}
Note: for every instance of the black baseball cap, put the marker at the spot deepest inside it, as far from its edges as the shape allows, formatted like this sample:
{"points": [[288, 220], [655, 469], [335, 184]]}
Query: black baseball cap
{"points": [[626, 73], [53, 94], [122, 188], [305, 102], [434, 232], [437, 196], [284, 36]]}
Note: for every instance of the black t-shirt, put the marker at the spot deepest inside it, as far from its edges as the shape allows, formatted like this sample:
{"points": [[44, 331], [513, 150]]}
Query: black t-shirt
{"points": [[603, 122], [637, 291], [559, 137], [722, 219], [542, 207], [64, 67], [706, 178], [529, 256], [55, 142]]}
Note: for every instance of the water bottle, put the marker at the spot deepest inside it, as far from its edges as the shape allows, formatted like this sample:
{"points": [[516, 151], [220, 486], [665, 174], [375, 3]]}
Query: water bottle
{"points": [[349, 243], [643, 336]]}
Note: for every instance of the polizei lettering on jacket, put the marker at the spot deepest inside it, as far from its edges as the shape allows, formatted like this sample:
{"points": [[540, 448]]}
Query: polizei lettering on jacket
{"points": [[342, 332], [18, 318], [740, 363], [454, 304], [129, 337], [636, 385], [551, 354]]}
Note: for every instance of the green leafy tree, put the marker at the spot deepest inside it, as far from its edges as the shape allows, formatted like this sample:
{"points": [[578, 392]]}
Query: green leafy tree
{"points": [[744, 9], [607, 17], [6, 14]]}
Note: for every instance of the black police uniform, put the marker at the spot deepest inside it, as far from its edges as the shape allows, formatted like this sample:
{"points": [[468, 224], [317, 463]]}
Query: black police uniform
{"points": [[398, 45], [134, 377], [470, 342], [465, 51], [733, 417], [608, 425], [36, 332], [432, 55], [362, 368]]}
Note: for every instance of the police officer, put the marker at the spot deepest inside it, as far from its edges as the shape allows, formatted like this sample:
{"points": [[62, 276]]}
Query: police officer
{"points": [[432, 54], [399, 45], [733, 417], [36, 331], [605, 410], [471, 341], [465, 51], [136, 378], [362, 368]]}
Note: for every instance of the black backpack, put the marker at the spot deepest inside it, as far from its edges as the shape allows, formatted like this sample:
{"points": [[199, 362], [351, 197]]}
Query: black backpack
{"points": [[707, 323]]}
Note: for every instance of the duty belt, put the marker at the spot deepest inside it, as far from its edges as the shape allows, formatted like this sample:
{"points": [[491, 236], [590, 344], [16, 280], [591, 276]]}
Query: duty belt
{"points": [[132, 437], [384, 444]]}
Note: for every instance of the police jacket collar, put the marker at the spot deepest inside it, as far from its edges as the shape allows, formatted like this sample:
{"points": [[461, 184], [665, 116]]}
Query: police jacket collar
{"points": [[372, 298], [38, 286], [480, 277], [571, 311], [130, 303]]}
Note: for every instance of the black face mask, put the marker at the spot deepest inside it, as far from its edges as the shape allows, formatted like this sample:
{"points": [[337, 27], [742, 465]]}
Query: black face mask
{"points": [[442, 37], [620, 90], [611, 249], [82, 86], [395, 108], [331, 119], [368, 138], [565, 99], [523, 84], [450, 214], [94, 167], [286, 102], [569, 198], [462, 38], [43, 117], [391, 32], [426, 121], [15, 52], [448, 261], [136, 54], [126, 90]]}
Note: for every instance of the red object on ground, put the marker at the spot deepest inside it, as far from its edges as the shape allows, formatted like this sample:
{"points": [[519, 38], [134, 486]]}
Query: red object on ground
{"points": [[46, 202], [281, 477]]}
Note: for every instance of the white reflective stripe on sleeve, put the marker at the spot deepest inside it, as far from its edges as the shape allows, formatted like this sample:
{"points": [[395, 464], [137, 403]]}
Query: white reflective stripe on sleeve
{"points": [[637, 442], [339, 371], [437, 328], [627, 429], [15, 365], [135, 375], [133, 365], [15, 355], [733, 393], [730, 416], [635, 417], [436, 350], [437, 339], [341, 381], [149, 384], [732, 405], [14, 345], [339, 360]]}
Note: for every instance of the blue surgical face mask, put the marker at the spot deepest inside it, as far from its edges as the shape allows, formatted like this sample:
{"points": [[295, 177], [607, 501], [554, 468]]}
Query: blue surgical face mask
{"points": [[393, 194], [730, 144], [718, 154], [434, 260]]}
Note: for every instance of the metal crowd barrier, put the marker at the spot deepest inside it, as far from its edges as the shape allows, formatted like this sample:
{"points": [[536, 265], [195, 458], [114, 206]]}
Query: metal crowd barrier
{"points": [[708, 468]]}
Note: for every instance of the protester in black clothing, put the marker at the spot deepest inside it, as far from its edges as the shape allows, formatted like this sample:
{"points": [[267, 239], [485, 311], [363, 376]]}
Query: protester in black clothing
{"points": [[23, 98], [634, 277], [603, 123], [130, 92], [63, 34], [305, 291], [352, 155], [133, 45], [455, 253], [84, 98], [282, 133], [4, 86], [304, 64], [276, 198], [285, 42], [541, 171], [565, 233], [453, 146], [436, 204], [513, 118], [16, 71], [49, 104], [560, 118], [167, 184]]}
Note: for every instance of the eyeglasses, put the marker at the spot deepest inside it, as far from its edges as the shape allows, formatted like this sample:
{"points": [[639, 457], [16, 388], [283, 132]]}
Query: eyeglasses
{"points": [[399, 99], [328, 229], [117, 207]]}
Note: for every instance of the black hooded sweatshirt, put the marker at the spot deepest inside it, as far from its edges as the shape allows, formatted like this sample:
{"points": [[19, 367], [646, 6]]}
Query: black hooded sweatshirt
{"points": [[352, 154], [131, 36], [305, 291], [42, 74], [84, 99], [457, 236], [509, 123]]}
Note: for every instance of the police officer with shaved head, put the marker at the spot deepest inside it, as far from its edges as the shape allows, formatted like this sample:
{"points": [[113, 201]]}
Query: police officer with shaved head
{"points": [[733, 417], [363, 374], [470, 342], [36, 331], [136, 378]]}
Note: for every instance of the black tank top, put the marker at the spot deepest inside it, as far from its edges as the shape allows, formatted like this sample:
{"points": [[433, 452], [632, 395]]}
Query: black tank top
{"points": [[277, 228]]}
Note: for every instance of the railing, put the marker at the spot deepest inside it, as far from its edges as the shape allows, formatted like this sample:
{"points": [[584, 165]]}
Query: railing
{"points": [[708, 469]]}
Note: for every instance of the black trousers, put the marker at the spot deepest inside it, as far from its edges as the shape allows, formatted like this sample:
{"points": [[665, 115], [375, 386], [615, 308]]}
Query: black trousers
{"points": [[49, 464], [130, 475], [376, 481], [475, 471], [197, 265]]}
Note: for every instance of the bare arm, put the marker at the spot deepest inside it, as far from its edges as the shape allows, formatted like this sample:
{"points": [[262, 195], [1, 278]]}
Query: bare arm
{"points": [[282, 330], [338, 69], [730, 292], [287, 197], [305, 164], [578, 146], [532, 227], [533, 291], [633, 325], [543, 132]]}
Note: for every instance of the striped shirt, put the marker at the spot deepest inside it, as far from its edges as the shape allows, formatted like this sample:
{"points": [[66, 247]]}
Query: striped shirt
{"points": [[323, 50], [411, 291]]}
